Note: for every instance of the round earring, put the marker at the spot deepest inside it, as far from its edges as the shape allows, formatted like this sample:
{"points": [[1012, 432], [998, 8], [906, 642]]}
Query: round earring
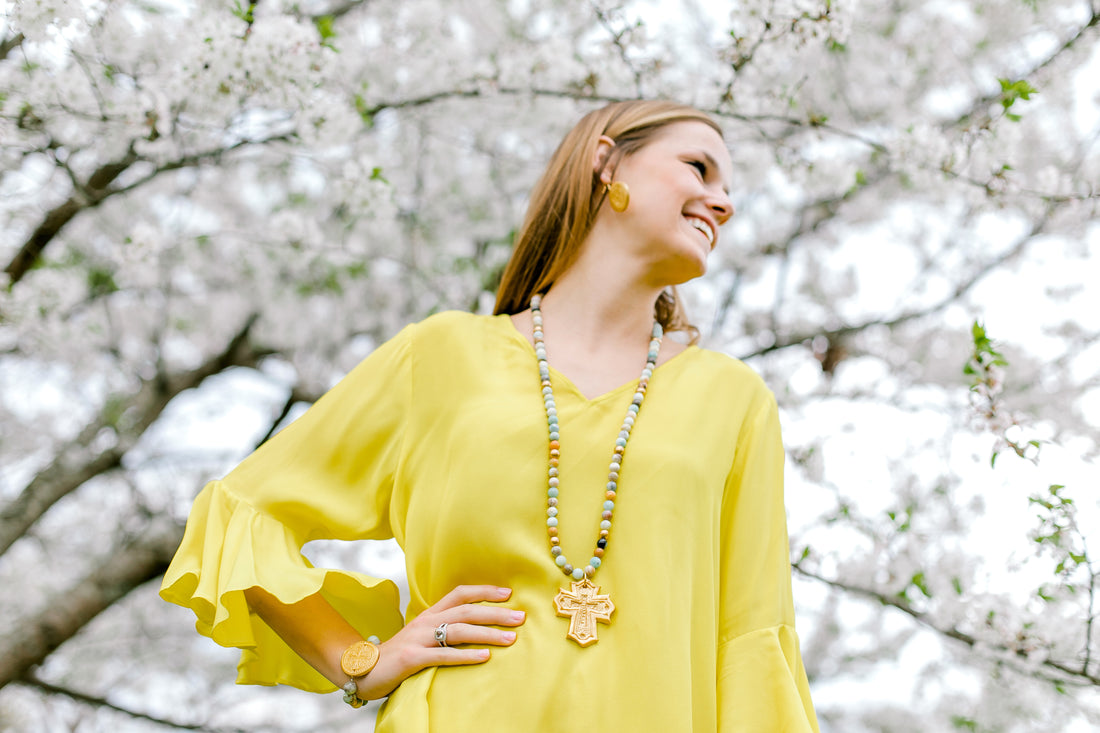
{"points": [[618, 193]]}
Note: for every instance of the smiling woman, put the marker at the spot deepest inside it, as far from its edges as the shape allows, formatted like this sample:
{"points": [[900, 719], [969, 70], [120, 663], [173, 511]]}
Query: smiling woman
{"points": [[494, 448]]}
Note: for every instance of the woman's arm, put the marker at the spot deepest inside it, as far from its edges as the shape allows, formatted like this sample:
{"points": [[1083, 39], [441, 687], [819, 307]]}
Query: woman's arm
{"points": [[319, 635]]}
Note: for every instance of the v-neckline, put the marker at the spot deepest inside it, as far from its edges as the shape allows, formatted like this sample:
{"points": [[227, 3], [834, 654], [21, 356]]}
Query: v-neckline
{"points": [[564, 380]]}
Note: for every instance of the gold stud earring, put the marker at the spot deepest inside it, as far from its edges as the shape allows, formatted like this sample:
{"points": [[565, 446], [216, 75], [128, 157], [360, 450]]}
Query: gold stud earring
{"points": [[618, 193]]}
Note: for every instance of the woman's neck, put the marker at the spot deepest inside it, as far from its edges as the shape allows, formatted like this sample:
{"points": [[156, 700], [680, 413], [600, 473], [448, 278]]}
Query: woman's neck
{"points": [[603, 297], [600, 310]]}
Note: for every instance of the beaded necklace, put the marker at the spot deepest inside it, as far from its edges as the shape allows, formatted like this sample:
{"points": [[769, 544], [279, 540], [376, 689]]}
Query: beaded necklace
{"points": [[583, 604]]}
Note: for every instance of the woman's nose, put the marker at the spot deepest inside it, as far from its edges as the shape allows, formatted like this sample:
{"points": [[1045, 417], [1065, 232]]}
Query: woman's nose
{"points": [[722, 207]]}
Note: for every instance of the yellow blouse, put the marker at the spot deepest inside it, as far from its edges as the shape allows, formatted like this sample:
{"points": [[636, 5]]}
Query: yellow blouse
{"points": [[439, 439]]}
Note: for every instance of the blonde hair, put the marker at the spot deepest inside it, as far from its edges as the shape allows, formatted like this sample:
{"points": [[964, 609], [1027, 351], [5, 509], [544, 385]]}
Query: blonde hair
{"points": [[565, 200]]}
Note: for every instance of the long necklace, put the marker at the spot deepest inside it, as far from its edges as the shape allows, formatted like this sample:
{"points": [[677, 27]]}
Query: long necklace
{"points": [[583, 604]]}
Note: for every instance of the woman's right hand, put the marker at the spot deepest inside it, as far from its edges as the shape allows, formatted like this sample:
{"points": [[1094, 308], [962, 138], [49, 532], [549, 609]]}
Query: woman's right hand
{"points": [[414, 647]]}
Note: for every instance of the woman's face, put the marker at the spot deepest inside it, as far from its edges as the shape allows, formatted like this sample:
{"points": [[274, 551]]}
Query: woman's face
{"points": [[678, 199]]}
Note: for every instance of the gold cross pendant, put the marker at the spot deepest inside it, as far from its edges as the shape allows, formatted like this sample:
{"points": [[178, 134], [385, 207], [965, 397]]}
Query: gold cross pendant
{"points": [[584, 606]]}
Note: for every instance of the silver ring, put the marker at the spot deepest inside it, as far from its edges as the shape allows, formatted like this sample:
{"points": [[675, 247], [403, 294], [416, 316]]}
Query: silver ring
{"points": [[441, 634]]}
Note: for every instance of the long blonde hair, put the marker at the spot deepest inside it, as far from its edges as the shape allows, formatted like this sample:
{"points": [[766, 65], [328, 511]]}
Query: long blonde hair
{"points": [[565, 200]]}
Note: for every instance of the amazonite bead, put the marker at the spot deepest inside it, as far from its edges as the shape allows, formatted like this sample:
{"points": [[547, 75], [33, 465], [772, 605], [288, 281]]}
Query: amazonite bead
{"points": [[553, 428]]}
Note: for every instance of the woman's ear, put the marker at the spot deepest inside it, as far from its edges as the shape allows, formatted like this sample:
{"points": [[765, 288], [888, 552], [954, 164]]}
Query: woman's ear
{"points": [[601, 157]]}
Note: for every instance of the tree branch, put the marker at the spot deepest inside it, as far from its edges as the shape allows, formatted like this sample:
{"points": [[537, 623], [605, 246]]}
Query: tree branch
{"points": [[30, 680], [61, 616], [339, 10], [73, 465], [8, 44], [961, 289], [66, 612], [980, 104], [97, 189], [1058, 671], [87, 196]]}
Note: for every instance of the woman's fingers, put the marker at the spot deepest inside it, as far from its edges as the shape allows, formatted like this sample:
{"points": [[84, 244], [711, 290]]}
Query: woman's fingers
{"points": [[471, 594], [414, 647], [484, 615], [456, 657], [459, 633]]}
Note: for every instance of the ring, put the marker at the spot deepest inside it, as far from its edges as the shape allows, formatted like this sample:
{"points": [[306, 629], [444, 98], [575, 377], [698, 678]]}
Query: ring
{"points": [[441, 634]]}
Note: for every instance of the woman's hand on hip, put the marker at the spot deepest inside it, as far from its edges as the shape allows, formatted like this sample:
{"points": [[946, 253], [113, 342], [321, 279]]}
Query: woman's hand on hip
{"points": [[414, 647]]}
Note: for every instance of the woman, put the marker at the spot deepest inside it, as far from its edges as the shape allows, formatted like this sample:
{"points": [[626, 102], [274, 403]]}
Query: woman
{"points": [[500, 451]]}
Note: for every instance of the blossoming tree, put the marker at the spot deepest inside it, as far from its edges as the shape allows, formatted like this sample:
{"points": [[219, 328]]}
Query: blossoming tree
{"points": [[210, 211]]}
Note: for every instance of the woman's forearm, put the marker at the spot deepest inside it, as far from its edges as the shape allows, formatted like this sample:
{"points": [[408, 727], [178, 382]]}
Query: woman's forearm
{"points": [[311, 627], [320, 635]]}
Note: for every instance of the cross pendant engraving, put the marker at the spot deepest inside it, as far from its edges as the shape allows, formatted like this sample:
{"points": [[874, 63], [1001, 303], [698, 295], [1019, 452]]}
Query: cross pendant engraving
{"points": [[584, 606]]}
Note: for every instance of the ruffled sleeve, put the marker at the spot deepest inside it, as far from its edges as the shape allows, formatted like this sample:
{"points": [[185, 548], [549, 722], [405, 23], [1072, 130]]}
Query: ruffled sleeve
{"points": [[762, 683], [329, 475]]}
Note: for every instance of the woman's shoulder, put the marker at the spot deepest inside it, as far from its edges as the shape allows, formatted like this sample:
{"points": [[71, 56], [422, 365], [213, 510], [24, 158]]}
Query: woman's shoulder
{"points": [[455, 331], [724, 365], [452, 323], [726, 377]]}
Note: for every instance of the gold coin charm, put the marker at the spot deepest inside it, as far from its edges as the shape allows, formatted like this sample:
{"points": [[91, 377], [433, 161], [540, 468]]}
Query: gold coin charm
{"points": [[359, 658]]}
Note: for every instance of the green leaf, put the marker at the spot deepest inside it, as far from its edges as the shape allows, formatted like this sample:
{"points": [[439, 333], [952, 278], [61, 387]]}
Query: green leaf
{"points": [[961, 722], [245, 14], [324, 25], [363, 110], [101, 282]]}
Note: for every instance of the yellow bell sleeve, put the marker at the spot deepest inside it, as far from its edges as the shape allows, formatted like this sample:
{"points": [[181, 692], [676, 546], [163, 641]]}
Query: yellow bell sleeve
{"points": [[762, 683], [328, 475]]}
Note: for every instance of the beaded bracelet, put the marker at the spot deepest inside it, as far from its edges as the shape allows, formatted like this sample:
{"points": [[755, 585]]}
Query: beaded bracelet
{"points": [[350, 688]]}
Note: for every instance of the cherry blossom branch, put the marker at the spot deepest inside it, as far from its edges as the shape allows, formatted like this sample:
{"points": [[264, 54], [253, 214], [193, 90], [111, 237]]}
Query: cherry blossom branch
{"points": [[8, 44], [617, 41], [1058, 671], [338, 10], [981, 104], [127, 418], [30, 680], [834, 334], [88, 195], [97, 189], [64, 613], [129, 565]]}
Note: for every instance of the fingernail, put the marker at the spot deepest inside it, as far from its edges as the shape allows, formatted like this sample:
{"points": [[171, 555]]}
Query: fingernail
{"points": [[504, 592], [483, 653], [509, 636], [518, 615]]}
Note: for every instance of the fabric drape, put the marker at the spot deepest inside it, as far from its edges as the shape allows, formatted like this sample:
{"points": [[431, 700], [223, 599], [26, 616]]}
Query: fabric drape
{"points": [[439, 439]]}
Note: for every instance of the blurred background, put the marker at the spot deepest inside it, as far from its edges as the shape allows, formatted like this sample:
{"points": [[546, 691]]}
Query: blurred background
{"points": [[211, 210]]}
